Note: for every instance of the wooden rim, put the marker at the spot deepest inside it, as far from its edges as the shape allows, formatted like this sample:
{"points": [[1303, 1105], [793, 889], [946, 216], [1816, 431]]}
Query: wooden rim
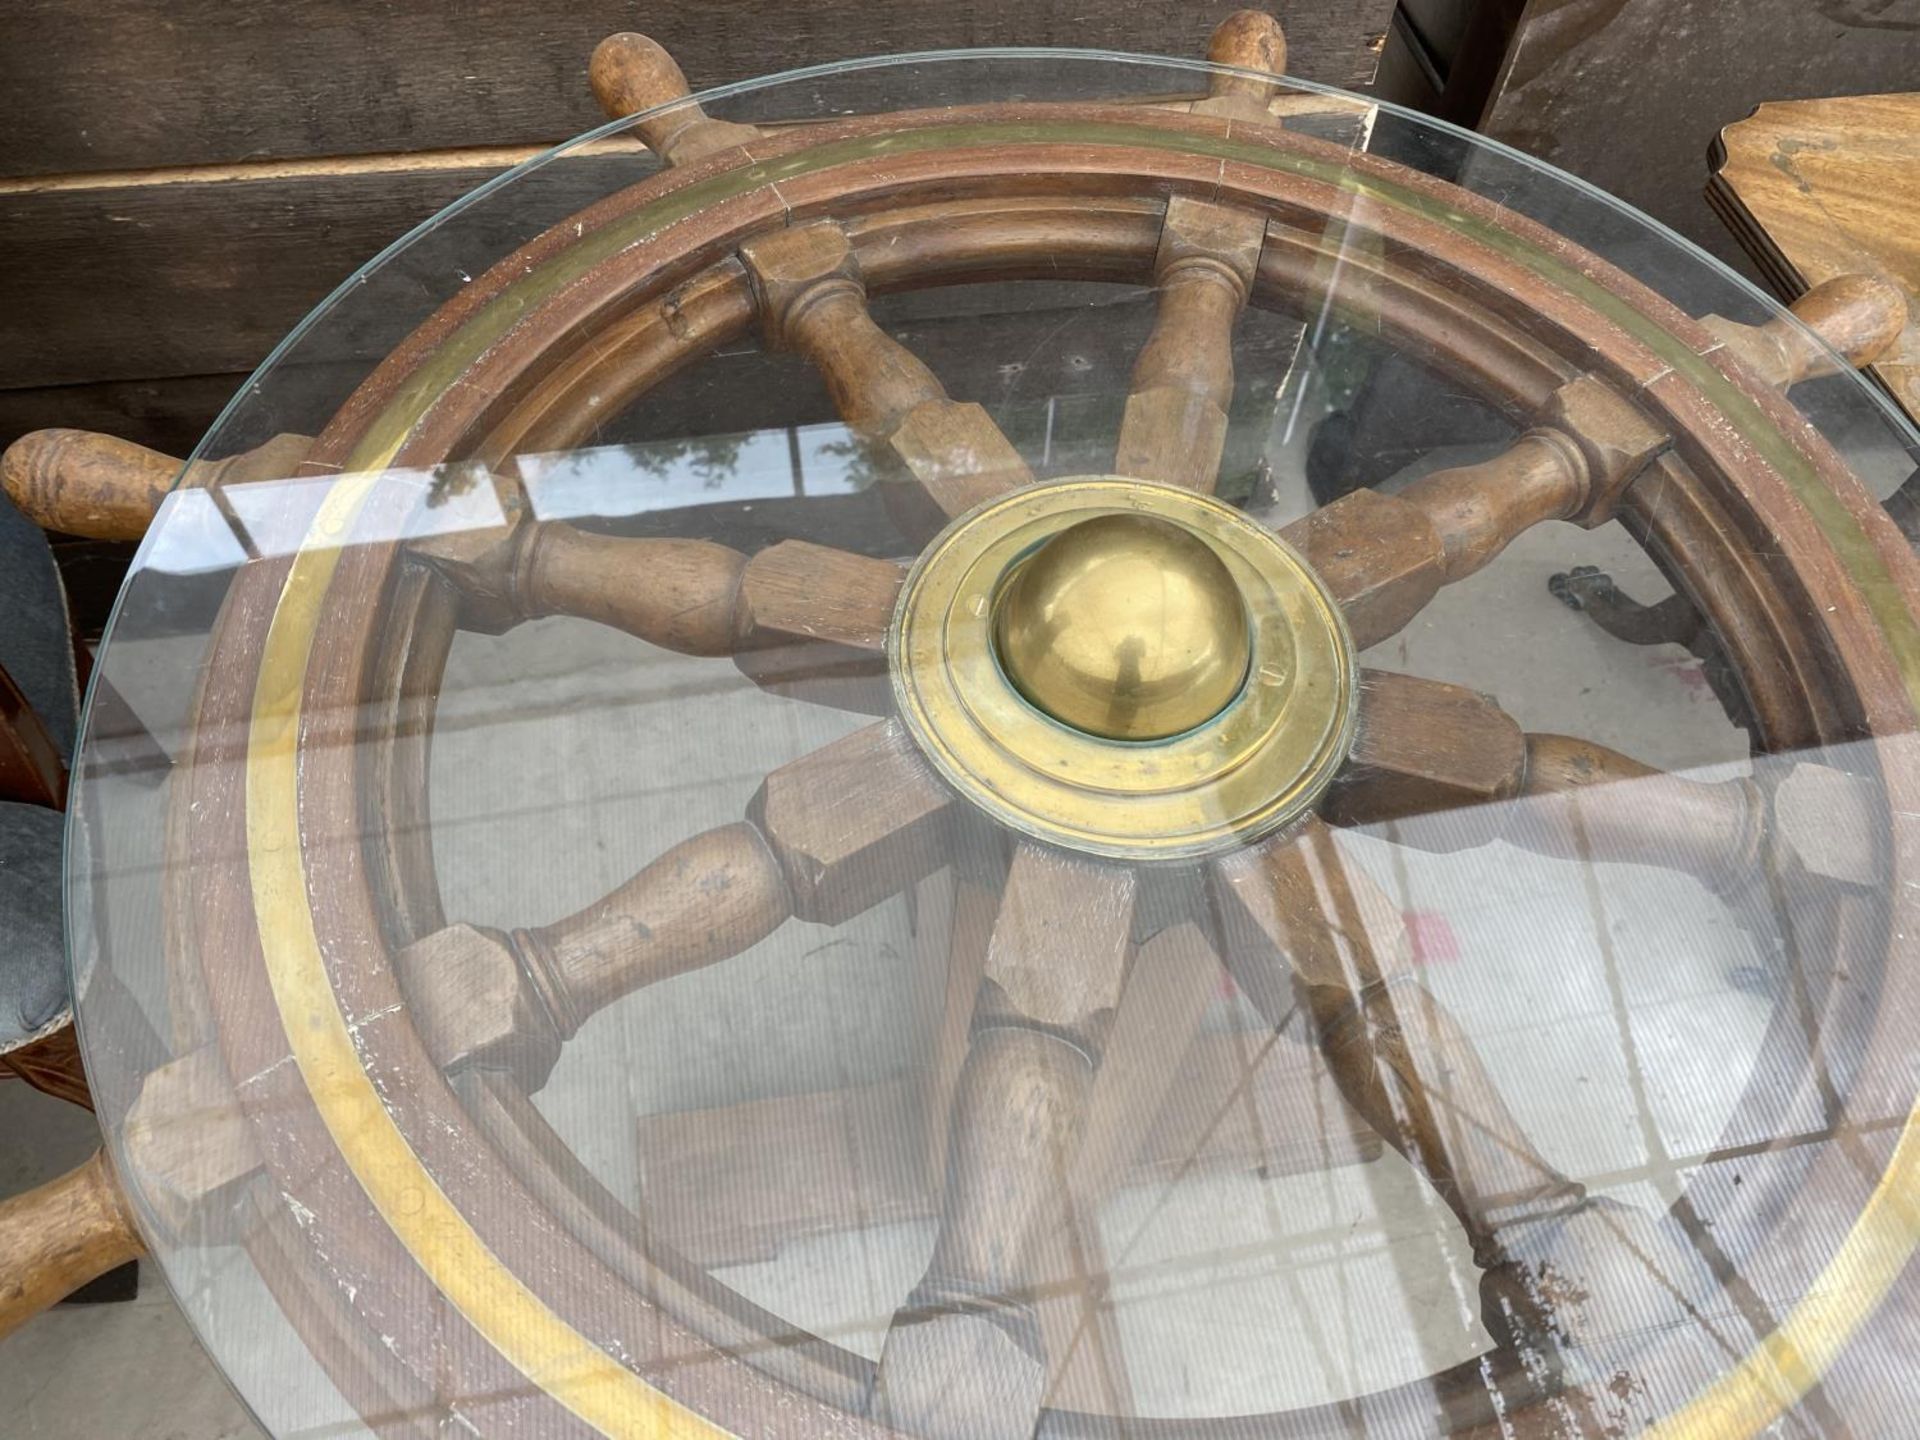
{"points": [[301, 663]]}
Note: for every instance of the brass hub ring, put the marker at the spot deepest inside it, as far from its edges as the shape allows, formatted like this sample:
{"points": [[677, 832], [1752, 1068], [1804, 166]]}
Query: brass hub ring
{"points": [[1255, 766]]}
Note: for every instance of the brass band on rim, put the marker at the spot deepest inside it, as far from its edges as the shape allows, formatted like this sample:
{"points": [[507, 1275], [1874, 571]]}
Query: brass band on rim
{"points": [[1250, 769]]}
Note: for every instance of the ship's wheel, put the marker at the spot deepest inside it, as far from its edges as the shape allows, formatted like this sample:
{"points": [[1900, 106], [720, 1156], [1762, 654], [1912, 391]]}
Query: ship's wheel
{"points": [[1127, 746]]}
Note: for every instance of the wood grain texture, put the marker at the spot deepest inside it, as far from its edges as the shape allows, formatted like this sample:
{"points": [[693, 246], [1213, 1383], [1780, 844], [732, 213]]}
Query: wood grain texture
{"points": [[1629, 94], [969, 1352], [89, 485], [483, 996], [1452, 760], [1584, 801], [1401, 1060], [1424, 746], [1815, 190], [631, 73], [854, 822], [811, 621], [1175, 423], [731, 1186], [704, 900], [1385, 556], [1859, 318], [341, 78], [682, 595], [1062, 942], [965, 1354], [211, 269], [812, 298], [56, 1238], [186, 1145]]}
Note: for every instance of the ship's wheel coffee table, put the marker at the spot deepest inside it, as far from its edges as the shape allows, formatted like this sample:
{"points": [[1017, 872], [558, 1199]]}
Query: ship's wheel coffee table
{"points": [[1085, 941]]}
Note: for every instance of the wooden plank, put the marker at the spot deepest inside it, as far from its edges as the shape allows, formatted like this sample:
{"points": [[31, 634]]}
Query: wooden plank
{"points": [[195, 273], [126, 84], [1629, 95], [1816, 189], [733, 1185]]}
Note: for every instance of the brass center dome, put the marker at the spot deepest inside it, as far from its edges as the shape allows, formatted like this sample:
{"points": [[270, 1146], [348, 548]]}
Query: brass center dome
{"points": [[1125, 626]]}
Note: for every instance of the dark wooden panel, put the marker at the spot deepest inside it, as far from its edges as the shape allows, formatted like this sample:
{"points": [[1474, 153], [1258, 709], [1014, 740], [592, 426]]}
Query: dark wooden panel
{"points": [[197, 273], [135, 84], [1629, 94]]}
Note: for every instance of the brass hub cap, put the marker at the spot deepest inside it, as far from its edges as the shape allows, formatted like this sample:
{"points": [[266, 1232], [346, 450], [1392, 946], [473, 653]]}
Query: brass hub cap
{"points": [[1124, 668]]}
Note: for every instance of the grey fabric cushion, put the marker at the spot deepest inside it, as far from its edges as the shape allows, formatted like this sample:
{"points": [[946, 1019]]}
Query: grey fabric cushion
{"points": [[33, 957], [34, 645]]}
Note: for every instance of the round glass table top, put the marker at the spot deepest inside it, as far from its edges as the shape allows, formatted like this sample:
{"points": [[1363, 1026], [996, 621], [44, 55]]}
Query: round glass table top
{"points": [[1024, 742]]}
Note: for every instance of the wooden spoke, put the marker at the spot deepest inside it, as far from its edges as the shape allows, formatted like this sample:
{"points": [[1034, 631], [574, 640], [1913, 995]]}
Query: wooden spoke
{"points": [[1424, 747], [796, 617], [1385, 556], [630, 74], [812, 299], [1307, 928], [829, 836], [855, 822], [1856, 318], [486, 997], [1429, 749], [1175, 424], [965, 1356]]}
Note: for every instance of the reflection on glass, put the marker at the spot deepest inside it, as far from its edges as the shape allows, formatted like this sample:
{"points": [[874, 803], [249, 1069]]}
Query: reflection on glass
{"points": [[534, 955]]}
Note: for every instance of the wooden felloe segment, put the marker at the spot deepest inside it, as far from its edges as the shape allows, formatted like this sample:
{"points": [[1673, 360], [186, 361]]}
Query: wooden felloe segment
{"points": [[1175, 424], [812, 300]]}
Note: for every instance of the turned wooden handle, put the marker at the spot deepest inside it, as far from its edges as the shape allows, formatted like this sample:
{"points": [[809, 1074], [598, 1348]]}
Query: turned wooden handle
{"points": [[80, 483], [1859, 316], [1247, 40], [630, 73], [55, 1239]]}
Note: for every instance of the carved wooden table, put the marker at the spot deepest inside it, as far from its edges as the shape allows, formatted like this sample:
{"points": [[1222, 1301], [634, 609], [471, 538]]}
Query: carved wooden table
{"points": [[1816, 189], [1084, 829]]}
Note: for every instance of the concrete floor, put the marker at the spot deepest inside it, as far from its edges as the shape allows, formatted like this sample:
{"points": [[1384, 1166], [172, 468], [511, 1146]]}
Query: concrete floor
{"points": [[1592, 997]]}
